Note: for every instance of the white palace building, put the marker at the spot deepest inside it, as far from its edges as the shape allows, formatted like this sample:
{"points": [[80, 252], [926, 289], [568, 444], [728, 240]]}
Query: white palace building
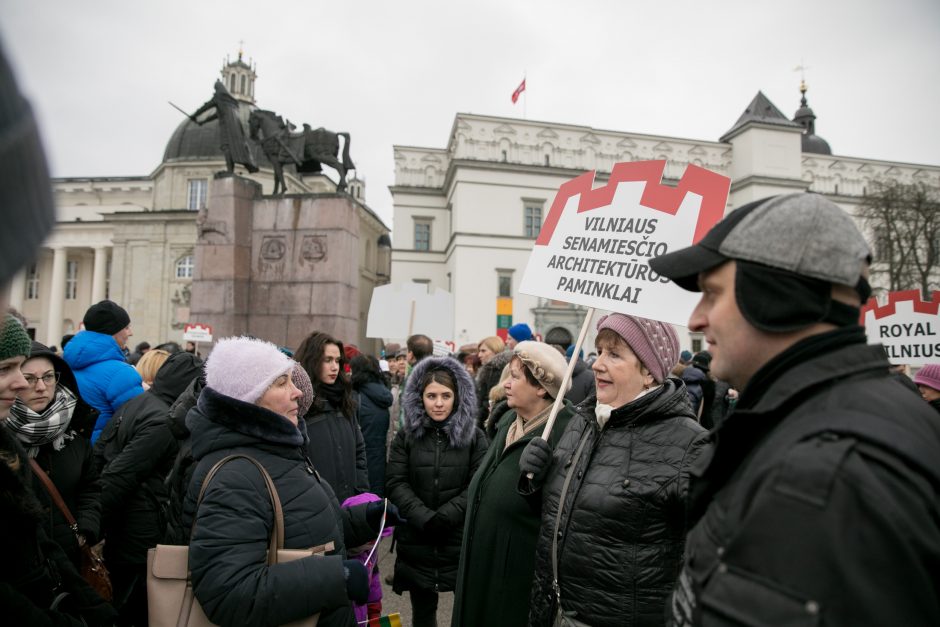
{"points": [[466, 216]]}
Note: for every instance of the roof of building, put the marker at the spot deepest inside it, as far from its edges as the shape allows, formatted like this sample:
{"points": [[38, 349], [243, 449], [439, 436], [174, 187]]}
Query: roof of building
{"points": [[760, 111], [806, 118]]}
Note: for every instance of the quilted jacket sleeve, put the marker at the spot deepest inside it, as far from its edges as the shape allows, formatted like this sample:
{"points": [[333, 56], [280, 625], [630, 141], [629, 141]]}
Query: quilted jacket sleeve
{"points": [[227, 554]]}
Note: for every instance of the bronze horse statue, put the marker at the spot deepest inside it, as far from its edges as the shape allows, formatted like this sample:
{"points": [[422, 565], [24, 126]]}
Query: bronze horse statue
{"points": [[307, 150]]}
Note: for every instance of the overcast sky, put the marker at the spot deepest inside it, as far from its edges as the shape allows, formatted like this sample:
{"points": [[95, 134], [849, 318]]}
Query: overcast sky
{"points": [[99, 73]]}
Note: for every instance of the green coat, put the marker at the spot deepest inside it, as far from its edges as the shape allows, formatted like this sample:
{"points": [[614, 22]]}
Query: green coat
{"points": [[498, 553]]}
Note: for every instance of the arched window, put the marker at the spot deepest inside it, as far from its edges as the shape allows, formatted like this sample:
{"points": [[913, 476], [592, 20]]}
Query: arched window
{"points": [[184, 267]]}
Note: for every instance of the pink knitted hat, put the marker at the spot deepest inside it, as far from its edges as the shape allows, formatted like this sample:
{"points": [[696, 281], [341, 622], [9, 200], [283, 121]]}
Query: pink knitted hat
{"points": [[654, 343], [244, 367], [929, 375]]}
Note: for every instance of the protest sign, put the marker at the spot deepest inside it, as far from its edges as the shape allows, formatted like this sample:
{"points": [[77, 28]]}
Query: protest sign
{"points": [[908, 327], [595, 245], [195, 332], [399, 311]]}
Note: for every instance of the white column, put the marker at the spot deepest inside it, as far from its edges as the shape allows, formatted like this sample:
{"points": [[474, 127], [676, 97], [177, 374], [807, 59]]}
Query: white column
{"points": [[99, 274], [18, 290], [56, 297]]}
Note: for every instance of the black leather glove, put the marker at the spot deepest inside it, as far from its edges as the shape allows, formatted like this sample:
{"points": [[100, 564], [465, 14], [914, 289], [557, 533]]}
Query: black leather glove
{"points": [[536, 459], [436, 530], [357, 581], [374, 515]]}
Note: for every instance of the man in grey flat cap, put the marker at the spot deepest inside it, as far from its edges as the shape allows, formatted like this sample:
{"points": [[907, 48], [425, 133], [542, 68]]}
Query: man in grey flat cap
{"points": [[818, 504]]}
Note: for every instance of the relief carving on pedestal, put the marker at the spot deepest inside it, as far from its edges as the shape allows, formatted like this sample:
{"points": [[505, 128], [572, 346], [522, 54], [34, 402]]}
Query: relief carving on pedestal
{"points": [[313, 248], [273, 248]]}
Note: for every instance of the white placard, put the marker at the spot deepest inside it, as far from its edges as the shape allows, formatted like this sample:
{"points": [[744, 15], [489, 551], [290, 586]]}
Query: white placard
{"points": [[595, 245], [908, 327], [197, 333], [392, 308]]}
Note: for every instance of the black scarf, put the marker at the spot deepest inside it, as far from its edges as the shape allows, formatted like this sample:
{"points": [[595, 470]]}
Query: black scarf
{"points": [[334, 393]]}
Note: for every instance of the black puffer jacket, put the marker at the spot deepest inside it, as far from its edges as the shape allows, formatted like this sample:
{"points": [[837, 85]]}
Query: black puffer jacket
{"points": [[582, 383], [235, 519], [623, 522], [177, 482], [137, 450], [374, 401], [429, 470], [487, 377], [337, 449]]}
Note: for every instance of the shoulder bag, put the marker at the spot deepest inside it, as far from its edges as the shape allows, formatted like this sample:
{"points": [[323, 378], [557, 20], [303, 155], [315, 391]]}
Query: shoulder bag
{"points": [[92, 567], [170, 598]]}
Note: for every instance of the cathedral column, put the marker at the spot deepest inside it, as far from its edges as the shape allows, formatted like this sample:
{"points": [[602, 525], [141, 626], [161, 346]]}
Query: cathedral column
{"points": [[18, 290], [56, 296], [99, 275]]}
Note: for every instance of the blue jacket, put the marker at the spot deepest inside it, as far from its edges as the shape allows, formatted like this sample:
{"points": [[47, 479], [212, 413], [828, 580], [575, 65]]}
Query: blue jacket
{"points": [[105, 380]]}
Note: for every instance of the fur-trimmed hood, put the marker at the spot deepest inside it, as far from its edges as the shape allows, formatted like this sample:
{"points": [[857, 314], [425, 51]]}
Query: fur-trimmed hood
{"points": [[461, 424]]}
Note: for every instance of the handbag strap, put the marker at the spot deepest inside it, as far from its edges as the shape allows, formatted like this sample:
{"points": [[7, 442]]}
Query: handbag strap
{"points": [[54, 494], [277, 534], [561, 505]]}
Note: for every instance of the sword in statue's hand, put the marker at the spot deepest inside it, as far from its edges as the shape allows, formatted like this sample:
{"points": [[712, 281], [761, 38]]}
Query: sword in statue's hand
{"points": [[191, 117]]}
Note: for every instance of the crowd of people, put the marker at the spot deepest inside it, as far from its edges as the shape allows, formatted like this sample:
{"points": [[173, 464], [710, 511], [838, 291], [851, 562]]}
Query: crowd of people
{"points": [[785, 476]]}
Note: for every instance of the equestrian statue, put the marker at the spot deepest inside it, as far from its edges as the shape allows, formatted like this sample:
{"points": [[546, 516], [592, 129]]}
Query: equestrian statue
{"points": [[307, 150]]}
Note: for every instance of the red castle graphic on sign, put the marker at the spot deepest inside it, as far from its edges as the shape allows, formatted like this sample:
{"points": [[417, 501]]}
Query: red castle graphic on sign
{"points": [[889, 309], [712, 187]]}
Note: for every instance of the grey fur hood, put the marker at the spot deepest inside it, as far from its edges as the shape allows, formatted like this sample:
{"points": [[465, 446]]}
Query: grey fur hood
{"points": [[461, 424]]}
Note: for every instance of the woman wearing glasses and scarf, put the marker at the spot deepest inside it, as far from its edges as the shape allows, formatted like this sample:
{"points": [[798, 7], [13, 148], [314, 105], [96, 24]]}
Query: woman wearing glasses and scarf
{"points": [[53, 424]]}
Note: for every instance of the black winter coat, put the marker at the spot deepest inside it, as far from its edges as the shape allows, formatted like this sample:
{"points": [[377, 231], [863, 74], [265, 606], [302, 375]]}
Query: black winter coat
{"points": [[374, 401], [136, 450], [582, 383], [35, 569], [72, 470], [487, 377], [430, 466], [820, 503], [234, 522], [177, 482], [623, 519], [337, 449]]}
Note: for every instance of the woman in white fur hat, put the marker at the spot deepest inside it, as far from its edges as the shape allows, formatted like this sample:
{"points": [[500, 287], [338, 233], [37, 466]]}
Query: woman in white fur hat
{"points": [[250, 406]]}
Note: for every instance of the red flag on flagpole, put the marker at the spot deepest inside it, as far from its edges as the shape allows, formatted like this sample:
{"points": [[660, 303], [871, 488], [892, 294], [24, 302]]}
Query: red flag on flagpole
{"points": [[518, 92]]}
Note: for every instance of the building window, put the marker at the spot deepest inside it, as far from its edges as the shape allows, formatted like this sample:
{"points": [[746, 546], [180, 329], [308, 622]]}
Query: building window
{"points": [[184, 267], [243, 90], [197, 193], [231, 82], [504, 283], [32, 282], [107, 280], [422, 235], [533, 221], [71, 280]]}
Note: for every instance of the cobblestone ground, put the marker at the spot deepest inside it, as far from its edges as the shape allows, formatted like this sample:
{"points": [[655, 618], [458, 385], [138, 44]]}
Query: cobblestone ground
{"points": [[392, 602]]}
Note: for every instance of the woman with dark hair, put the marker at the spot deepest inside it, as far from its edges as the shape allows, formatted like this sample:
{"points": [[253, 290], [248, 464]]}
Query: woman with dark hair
{"points": [[336, 447], [373, 399], [432, 459]]}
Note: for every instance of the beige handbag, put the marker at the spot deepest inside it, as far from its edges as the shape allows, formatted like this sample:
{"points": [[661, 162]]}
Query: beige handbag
{"points": [[170, 598]]}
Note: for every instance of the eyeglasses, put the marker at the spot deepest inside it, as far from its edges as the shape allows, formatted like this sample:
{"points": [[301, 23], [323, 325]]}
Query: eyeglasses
{"points": [[49, 379]]}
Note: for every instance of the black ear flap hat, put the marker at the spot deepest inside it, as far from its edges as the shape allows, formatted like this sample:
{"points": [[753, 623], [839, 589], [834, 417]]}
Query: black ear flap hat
{"points": [[789, 251]]}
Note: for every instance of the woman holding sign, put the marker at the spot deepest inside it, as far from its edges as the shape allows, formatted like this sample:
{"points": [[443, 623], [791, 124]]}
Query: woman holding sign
{"points": [[497, 557], [613, 490]]}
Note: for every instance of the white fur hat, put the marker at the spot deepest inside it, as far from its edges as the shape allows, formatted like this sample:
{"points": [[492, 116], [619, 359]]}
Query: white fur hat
{"points": [[244, 368]]}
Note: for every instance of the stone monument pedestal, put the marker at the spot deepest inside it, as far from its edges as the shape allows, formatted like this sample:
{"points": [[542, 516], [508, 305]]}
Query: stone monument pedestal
{"points": [[277, 268]]}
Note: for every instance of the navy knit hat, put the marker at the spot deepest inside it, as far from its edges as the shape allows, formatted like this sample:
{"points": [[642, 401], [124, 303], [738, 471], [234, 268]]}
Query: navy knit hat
{"points": [[14, 342], [106, 317]]}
